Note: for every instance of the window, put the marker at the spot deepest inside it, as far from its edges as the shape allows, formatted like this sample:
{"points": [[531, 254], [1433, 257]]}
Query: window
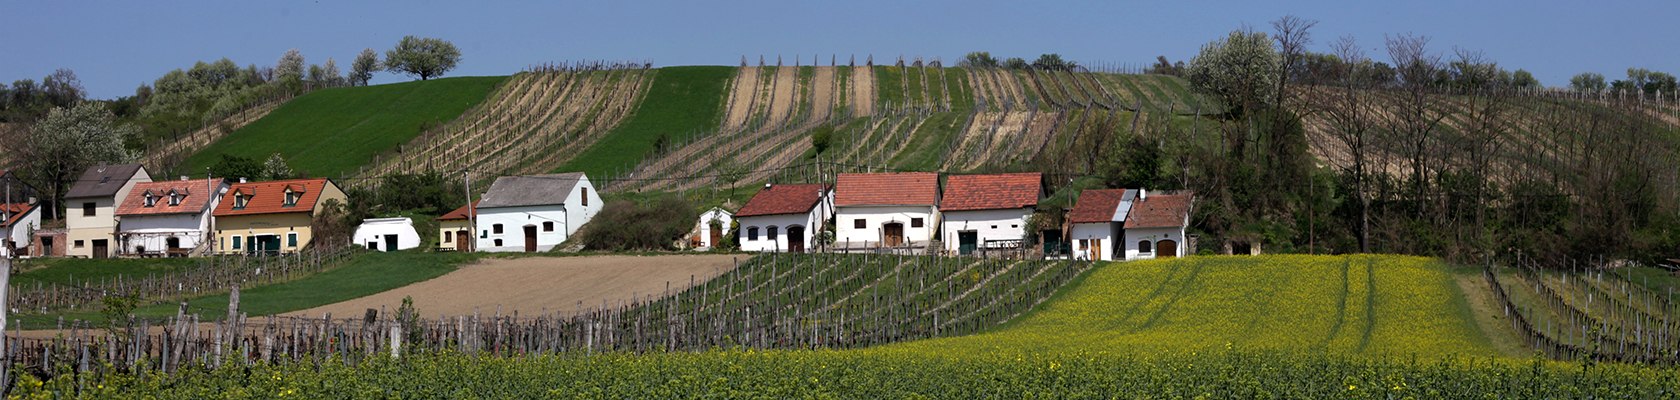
{"points": [[548, 226], [239, 200], [1143, 247], [498, 243], [496, 229], [236, 242], [448, 237], [770, 233], [752, 233], [585, 197], [175, 199], [994, 226], [858, 223], [88, 210], [917, 223], [373, 245], [78, 244], [291, 239], [291, 198], [150, 199]]}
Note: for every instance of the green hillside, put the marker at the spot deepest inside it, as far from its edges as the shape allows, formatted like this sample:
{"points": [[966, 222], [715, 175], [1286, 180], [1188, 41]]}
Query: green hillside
{"points": [[1340, 305], [682, 101], [334, 131]]}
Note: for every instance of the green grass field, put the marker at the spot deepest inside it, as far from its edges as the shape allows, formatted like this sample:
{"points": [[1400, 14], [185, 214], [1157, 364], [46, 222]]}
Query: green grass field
{"points": [[1354, 305], [367, 274], [332, 131], [61, 271], [681, 101]]}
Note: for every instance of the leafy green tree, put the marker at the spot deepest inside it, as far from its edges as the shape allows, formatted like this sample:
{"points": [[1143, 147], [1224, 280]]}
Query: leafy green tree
{"points": [[424, 58], [330, 74], [979, 59], [1241, 68], [237, 167], [1015, 63], [1052, 61], [69, 140], [1522, 79], [361, 70], [1587, 82]]}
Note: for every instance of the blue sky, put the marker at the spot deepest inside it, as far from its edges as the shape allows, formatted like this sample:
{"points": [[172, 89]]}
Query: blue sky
{"points": [[116, 46]]}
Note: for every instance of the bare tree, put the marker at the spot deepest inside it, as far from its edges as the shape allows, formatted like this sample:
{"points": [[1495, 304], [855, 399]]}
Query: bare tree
{"points": [[1415, 116], [1292, 34], [1346, 106]]}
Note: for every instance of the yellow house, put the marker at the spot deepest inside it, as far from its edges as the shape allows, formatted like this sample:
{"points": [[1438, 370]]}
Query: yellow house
{"points": [[91, 208], [455, 229], [271, 217]]}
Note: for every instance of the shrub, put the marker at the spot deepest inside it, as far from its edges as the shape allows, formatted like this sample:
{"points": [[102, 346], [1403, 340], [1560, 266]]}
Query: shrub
{"points": [[652, 224]]}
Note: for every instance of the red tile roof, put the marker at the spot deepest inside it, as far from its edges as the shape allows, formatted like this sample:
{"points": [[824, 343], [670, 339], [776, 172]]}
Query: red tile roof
{"points": [[1096, 205], [783, 199], [887, 189], [15, 211], [198, 194], [270, 197], [1164, 210], [992, 192], [459, 213]]}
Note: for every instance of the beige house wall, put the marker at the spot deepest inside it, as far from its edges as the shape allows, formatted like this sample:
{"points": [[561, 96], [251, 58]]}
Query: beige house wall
{"points": [[446, 238], [239, 227]]}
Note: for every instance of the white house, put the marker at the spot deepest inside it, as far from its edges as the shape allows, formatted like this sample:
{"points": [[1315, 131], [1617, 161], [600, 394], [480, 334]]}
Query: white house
{"points": [[386, 234], [981, 212], [1155, 225], [168, 218], [534, 213], [784, 218], [710, 228], [1097, 218], [91, 208], [17, 222], [886, 209]]}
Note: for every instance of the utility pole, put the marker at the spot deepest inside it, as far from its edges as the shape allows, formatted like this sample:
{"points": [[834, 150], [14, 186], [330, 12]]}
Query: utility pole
{"points": [[472, 214]]}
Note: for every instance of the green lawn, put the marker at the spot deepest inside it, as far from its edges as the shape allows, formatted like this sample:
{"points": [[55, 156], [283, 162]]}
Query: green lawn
{"points": [[681, 101], [334, 131], [1339, 305], [59, 271], [364, 275]]}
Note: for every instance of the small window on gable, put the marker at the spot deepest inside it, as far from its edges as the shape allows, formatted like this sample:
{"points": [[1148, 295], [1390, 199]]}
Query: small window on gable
{"points": [[175, 198], [239, 200], [1144, 247], [291, 197], [585, 197], [548, 226], [151, 200], [917, 223], [89, 209]]}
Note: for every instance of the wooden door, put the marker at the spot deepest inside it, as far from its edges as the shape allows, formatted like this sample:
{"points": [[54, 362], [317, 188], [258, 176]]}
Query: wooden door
{"points": [[716, 235], [101, 248], [1166, 249], [892, 234], [796, 239], [531, 239], [1096, 250], [461, 238]]}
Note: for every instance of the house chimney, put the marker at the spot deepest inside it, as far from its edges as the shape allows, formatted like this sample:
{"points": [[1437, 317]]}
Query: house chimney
{"points": [[32, 200], [1143, 194], [183, 178], [767, 185], [242, 179]]}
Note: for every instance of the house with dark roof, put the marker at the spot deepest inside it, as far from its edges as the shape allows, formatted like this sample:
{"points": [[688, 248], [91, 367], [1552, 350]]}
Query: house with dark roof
{"points": [[988, 212], [534, 212], [91, 208], [894, 210], [272, 217], [1097, 219], [784, 218], [455, 229], [1155, 225], [168, 218]]}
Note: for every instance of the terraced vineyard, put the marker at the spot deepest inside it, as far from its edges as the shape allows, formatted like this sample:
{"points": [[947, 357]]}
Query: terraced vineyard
{"points": [[1595, 313]]}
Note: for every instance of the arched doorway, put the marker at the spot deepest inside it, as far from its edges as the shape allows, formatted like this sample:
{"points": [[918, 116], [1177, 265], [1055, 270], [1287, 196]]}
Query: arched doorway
{"points": [[892, 234], [796, 239], [1166, 249]]}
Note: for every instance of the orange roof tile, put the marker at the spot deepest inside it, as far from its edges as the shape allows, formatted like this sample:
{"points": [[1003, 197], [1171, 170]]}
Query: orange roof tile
{"points": [[197, 192], [783, 199], [887, 189], [270, 197], [1164, 210], [459, 213], [1096, 205], [15, 212], [992, 192]]}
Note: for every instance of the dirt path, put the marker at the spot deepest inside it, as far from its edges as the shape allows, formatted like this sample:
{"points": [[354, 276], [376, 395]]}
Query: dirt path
{"points": [[531, 285], [741, 94], [783, 102], [822, 93], [863, 91]]}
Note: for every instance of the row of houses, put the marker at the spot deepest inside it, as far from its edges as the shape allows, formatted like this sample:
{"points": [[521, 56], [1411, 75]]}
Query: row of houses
{"points": [[968, 214]]}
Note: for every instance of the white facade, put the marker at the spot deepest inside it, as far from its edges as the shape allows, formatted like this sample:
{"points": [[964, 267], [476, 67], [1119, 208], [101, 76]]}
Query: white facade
{"points": [[1153, 240], [875, 221], [549, 224], [703, 227], [1006, 224], [1094, 241], [775, 233], [18, 233], [386, 234], [152, 233]]}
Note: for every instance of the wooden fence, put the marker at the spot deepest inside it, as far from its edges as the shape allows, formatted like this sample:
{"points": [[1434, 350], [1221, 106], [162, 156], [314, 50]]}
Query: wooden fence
{"points": [[216, 274]]}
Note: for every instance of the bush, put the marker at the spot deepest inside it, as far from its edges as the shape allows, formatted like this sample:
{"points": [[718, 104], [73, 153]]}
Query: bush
{"points": [[652, 224]]}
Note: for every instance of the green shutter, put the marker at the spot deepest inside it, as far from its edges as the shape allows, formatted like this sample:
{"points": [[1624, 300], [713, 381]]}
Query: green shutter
{"points": [[291, 240]]}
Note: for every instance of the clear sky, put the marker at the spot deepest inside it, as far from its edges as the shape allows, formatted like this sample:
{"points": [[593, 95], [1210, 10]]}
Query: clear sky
{"points": [[116, 46]]}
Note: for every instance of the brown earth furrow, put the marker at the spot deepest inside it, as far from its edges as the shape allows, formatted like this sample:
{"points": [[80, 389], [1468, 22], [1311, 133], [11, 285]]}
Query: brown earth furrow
{"points": [[741, 96], [862, 92]]}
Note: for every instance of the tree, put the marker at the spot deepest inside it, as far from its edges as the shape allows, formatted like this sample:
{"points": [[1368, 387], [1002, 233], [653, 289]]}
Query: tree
{"points": [[979, 59], [1522, 79], [363, 68], [63, 88], [1587, 82], [69, 140], [1015, 63], [424, 58], [329, 73], [1347, 107], [1293, 34], [290, 65], [1241, 68], [237, 167], [1051, 61], [276, 168], [1164, 67]]}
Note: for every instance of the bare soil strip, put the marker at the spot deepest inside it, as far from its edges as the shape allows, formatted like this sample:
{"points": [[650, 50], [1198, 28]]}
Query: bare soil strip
{"points": [[741, 94], [863, 91]]}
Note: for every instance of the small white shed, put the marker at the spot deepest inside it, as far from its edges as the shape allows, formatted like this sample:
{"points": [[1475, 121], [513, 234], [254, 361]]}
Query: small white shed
{"points": [[386, 234], [709, 230]]}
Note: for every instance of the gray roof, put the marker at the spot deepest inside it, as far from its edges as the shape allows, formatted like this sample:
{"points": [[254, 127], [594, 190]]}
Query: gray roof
{"points": [[530, 190], [102, 180]]}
